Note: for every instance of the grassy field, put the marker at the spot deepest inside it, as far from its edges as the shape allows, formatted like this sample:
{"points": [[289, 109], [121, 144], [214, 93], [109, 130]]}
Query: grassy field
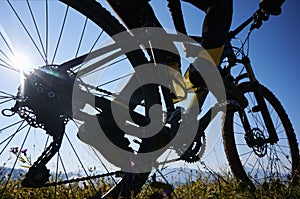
{"points": [[210, 186]]}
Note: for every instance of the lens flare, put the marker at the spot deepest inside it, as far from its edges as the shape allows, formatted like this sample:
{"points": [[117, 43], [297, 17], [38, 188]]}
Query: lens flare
{"points": [[20, 61]]}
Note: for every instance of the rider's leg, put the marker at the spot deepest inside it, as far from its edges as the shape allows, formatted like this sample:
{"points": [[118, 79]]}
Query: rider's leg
{"points": [[216, 23], [137, 14], [215, 28]]}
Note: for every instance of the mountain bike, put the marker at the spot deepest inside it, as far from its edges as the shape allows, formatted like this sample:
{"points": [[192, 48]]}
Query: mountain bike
{"points": [[90, 84]]}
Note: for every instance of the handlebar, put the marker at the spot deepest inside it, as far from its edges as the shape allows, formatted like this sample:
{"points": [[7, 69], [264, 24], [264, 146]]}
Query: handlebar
{"points": [[257, 18]]}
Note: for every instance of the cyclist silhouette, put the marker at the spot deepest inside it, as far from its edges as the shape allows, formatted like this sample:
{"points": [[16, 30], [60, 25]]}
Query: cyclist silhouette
{"points": [[216, 25]]}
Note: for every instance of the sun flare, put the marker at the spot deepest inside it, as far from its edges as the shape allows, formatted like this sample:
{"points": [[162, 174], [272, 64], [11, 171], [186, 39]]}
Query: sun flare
{"points": [[20, 61]]}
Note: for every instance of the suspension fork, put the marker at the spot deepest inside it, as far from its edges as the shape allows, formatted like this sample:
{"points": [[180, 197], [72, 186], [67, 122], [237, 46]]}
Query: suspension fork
{"points": [[261, 105]]}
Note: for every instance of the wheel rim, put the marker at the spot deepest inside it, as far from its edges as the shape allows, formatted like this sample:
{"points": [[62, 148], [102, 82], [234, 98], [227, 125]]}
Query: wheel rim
{"points": [[261, 160]]}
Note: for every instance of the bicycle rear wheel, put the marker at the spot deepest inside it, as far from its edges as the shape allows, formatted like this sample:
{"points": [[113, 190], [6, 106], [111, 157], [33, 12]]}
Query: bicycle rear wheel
{"points": [[35, 34], [261, 162]]}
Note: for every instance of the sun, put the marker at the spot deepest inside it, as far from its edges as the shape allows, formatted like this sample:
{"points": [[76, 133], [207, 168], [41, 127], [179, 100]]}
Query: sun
{"points": [[20, 61]]}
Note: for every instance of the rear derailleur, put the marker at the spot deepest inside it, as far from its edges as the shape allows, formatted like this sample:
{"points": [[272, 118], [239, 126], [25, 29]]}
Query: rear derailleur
{"points": [[44, 101]]}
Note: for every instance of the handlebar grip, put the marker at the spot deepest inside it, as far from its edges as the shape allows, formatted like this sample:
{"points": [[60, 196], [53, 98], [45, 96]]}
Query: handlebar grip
{"points": [[272, 7]]}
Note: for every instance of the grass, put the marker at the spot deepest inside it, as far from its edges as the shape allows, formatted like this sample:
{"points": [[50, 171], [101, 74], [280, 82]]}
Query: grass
{"points": [[208, 187], [226, 187]]}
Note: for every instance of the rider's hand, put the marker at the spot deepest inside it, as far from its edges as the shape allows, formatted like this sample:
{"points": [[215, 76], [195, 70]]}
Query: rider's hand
{"points": [[272, 7]]}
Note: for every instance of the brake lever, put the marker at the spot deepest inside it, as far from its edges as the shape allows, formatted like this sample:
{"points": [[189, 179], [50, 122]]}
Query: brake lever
{"points": [[259, 18]]}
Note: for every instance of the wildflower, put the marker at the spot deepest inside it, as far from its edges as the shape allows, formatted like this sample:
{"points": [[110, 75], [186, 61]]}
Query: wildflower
{"points": [[24, 151], [14, 150]]}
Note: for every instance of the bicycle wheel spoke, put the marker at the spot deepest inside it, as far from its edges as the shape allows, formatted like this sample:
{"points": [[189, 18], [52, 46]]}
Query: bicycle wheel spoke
{"points": [[5, 101], [101, 68], [66, 174], [278, 161], [96, 41], [6, 62], [245, 162], [11, 125], [37, 31], [79, 160], [15, 162], [116, 79], [60, 34], [6, 57], [238, 124], [27, 31], [246, 153], [6, 43], [6, 95], [91, 68], [81, 37], [287, 156], [10, 138], [47, 31], [56, 173], [102, 163], [261, 166], [9, 66], [99, 159]]}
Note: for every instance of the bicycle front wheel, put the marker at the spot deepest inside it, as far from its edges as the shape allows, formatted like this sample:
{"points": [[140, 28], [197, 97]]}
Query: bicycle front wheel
{"points": [[261, 162]]}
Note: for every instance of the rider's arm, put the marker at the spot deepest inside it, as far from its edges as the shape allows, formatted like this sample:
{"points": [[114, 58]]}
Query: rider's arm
{"points": [[272, 7]]}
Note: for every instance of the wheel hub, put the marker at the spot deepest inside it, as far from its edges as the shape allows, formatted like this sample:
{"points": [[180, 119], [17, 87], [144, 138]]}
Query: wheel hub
{"points": [[258, 142]]}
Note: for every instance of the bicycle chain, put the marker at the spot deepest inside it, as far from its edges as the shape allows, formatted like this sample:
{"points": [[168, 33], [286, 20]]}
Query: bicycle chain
{"points": [[45, 153], [81, 179]]}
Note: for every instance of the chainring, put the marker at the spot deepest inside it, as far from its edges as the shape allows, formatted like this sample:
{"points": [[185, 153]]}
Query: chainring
{"points": [[194, 152], [189, 152]]}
